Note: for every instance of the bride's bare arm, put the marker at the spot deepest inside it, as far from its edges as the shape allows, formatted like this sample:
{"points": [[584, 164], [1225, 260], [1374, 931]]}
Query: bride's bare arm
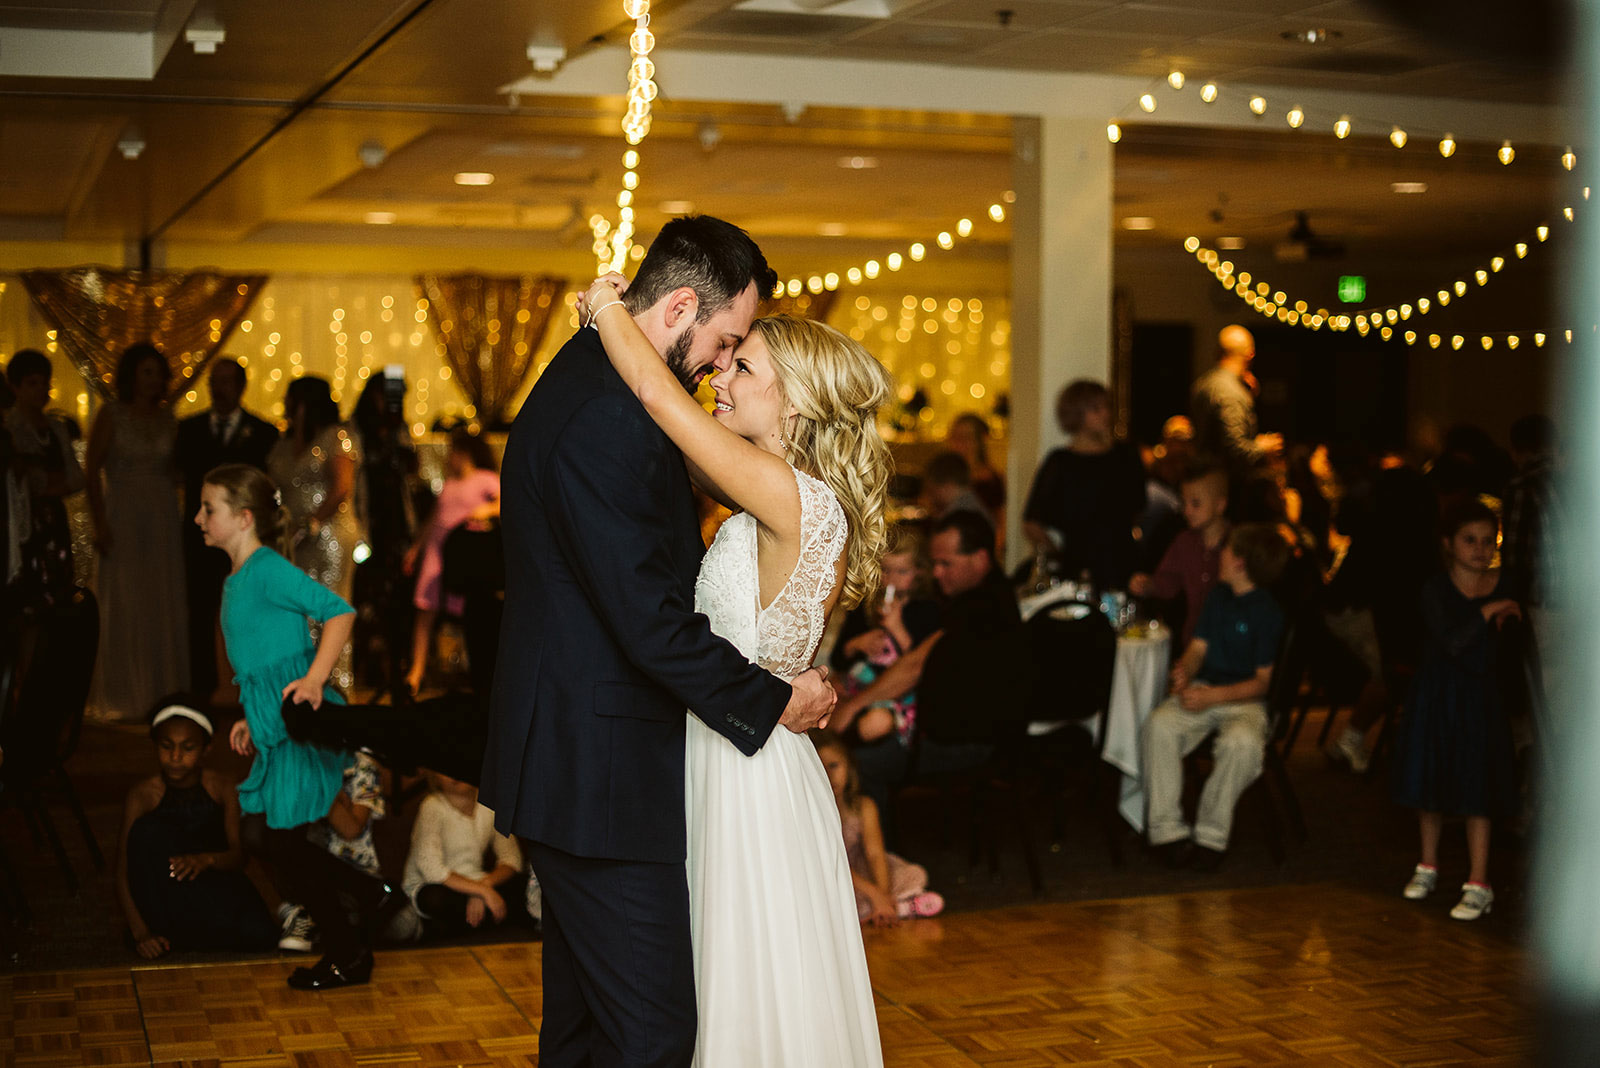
{"points": [[731, 469]]}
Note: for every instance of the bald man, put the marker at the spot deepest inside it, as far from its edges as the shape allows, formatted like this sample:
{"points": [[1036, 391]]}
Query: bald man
{"points": [[1223, 404]]}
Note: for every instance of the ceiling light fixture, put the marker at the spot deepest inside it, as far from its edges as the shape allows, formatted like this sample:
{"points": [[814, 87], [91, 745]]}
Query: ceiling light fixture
{"points": [[131, 144], [858, 163], [832, 229], [204, 33], [1408, 187], [546, 58], [372, 154], [474, 178], [676, 207], [1315, 36], [1230, 244], [379, 218], [1138, 222]]}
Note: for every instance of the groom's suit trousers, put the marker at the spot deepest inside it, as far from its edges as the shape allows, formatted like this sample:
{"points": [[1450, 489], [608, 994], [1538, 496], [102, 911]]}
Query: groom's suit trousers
{"points": [[599, 914]]}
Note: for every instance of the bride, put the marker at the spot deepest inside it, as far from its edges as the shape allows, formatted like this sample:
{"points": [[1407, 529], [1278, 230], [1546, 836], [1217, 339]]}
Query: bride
{"points": [[793, 448]]}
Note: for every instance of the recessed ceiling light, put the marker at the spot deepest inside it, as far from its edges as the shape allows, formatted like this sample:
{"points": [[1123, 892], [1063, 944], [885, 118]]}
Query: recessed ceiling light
{"points": [[832, 229], [677, 207], [474, 178], [380, 218], [1138, 222], [1408, 187], [1230, 243], [858, 163], [1314, 36]]}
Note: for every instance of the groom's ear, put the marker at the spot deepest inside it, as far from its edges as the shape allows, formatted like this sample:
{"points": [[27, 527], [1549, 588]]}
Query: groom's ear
{"points": [[682, 305]]}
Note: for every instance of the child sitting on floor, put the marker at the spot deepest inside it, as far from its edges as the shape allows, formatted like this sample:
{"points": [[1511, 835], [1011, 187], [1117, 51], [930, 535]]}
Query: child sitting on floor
{"points": [[445, 878], [179, 863], [888, 889], [1219, 686]]}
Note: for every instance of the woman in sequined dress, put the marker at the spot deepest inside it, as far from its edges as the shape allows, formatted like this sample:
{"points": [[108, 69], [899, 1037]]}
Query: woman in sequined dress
{"points": [[133, 499], [315, 464]]}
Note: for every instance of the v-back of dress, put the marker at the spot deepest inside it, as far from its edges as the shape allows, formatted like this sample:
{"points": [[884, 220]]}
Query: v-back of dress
{"points": [[780, 972]]}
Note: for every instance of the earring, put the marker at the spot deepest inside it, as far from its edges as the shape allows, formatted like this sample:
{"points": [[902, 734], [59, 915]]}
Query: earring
{"points": [[783, 443]]}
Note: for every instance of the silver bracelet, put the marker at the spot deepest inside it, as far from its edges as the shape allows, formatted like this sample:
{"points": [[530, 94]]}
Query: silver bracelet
{"points": [[595, 314]]}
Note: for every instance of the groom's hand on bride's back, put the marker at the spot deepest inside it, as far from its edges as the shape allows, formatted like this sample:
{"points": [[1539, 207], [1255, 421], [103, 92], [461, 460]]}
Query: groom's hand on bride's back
{"points": [[811, 701]]}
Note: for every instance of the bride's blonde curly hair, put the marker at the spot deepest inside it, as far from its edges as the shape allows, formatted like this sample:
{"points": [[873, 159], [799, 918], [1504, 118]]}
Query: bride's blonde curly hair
{"points": [[837, 387]]}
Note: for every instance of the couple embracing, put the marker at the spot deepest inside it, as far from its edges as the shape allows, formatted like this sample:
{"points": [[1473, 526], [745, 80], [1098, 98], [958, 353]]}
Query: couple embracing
{"points": [[651, 699]]}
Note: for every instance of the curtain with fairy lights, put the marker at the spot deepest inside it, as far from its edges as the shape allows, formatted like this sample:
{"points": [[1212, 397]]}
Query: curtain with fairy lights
{"points": [[803, 305], [98, 312], [489, 329]]}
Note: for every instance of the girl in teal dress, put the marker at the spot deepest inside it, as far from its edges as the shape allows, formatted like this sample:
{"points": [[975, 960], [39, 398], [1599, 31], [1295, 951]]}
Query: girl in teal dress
{"points": [[266, 602]]}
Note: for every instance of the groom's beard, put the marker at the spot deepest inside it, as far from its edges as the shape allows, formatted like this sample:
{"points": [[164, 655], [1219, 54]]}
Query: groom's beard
{"points": [[677, 357]]}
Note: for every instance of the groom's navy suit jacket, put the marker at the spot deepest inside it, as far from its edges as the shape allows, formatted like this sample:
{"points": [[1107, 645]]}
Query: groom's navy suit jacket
{"points": [[602, 655]]}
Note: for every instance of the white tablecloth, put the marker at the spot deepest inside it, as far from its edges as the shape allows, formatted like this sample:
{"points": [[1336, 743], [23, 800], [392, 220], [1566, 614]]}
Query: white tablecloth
{"points": [[1138, 684]]}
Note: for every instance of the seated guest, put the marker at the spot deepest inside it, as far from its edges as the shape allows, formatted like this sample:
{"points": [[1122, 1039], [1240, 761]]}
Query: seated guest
{"points": [[1219, 685], [445, 875], [1165, 467], [884, 628], [979, 622], [1188, 569], [1087, 497], [179, 864], [947, 487], [969, 436]]}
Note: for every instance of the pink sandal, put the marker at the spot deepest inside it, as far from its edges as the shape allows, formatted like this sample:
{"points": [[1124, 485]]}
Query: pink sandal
{"points": [[922, 905]]}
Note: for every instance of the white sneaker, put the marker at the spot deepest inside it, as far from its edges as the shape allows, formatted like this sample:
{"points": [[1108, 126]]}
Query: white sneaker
{"points": [[1352, 749], [1423, 881], [299, 933], [1476, 899]]}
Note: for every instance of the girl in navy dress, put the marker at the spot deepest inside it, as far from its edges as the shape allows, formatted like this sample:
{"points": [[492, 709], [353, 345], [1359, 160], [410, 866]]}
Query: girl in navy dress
{"points": [[1455, 753]]}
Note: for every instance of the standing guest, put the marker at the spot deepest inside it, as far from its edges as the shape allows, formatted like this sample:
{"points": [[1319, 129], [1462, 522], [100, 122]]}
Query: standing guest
{"points": [[1223, 403], [179, 876], [223, 434], [445, 876], [315, 465], [1219, 686], [1191, 564], [385, 509], [1455, 752], [43, 459], [1087, 497], [969, 436], [471, 494], [266, 602], [947, 487], [133, 498]]}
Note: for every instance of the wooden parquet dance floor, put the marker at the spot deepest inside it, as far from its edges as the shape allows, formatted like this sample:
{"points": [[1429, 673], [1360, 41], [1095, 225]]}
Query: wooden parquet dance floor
{"points": [[1287, 975]]}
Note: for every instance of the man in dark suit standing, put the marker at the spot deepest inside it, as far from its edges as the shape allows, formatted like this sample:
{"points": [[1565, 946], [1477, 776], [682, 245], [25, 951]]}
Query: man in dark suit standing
{"points": [[223, 434], [602, 657]]}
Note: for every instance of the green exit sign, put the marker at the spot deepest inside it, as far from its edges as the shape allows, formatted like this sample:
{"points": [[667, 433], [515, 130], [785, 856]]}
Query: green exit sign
{"points": [[1352, 288]]}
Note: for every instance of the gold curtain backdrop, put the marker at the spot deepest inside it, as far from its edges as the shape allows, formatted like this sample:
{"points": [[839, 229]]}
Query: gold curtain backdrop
{"points": [[488, 330], [98, 312]]}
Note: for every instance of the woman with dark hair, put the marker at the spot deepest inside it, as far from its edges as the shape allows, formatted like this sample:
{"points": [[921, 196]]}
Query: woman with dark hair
{"points": [[43, 458], [133, 481], [969, 436], [1087, 497], [315, 465]]}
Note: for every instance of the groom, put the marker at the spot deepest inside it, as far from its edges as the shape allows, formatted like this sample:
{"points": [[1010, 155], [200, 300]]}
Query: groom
{"points": [[602, 653]]}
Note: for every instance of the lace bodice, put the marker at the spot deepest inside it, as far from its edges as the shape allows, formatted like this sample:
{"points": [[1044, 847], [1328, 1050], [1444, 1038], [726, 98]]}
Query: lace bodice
{"points": [[783, 637]]}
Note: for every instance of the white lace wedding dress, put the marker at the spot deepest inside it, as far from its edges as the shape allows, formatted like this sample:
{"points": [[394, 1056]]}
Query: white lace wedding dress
{"points": [[780, 973]]}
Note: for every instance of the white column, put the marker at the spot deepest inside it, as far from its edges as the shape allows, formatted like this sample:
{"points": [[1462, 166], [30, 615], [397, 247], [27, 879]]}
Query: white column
{"points": [[1060, 287]]}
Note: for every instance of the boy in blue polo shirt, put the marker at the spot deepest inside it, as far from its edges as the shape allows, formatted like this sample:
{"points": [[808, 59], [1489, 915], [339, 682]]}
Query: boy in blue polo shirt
{"points": [[1218, 685]]}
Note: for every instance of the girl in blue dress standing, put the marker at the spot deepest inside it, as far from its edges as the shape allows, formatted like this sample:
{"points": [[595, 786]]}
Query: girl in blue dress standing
{"points": [[266, 602]]}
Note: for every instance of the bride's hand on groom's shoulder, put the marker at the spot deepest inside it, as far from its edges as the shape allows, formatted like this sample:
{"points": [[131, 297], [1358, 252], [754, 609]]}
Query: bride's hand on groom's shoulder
{"points": [[811, 701], [601, 292]]}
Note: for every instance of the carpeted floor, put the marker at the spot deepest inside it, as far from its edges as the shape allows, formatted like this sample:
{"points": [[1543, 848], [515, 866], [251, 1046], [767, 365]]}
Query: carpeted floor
{"points": [[1356, 838]]}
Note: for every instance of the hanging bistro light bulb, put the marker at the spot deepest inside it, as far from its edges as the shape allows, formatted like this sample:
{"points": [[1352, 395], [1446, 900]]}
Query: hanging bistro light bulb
{"points": [[1397, 137], [1113, 132], [1341, 129], [1258, 104], [1175, 79], [1506, 153], [1447, 145], [1568, 160], [1208, 92], [1296, 117], [1147, 102]]}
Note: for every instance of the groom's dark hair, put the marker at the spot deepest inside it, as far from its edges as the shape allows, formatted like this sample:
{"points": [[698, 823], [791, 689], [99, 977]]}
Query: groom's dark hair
{"points": [[714, 258]]}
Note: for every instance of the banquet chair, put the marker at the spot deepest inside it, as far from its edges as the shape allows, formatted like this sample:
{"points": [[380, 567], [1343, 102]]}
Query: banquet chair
{"points": [[1074, 659], [996, 673], [44, 720]]}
